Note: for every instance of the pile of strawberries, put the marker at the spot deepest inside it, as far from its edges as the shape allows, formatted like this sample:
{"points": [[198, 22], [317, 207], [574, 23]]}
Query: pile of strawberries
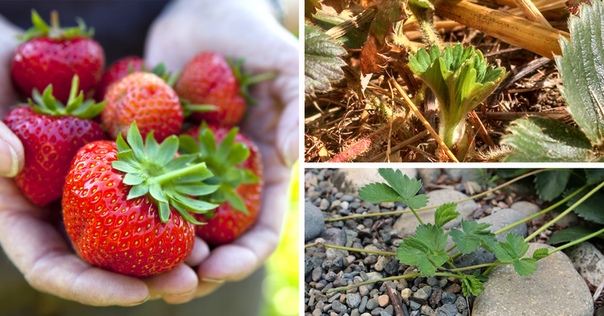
{"points": [[134, 182]]}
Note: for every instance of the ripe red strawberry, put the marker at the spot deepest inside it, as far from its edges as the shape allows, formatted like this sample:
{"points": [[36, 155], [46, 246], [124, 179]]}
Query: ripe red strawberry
{"points": [[145, 98], [118, 70], [51, 134], [237, 167], [126, 206], [209, 79], [51, 55]]}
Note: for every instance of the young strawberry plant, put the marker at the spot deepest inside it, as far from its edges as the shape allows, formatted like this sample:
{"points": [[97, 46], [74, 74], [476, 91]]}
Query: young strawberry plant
{"points": [[460, 79], [427, 250]]}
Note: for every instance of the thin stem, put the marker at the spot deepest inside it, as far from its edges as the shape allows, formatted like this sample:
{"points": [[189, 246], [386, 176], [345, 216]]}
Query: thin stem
{"points": [[568, 210], [548, 209], [180, 173], [377, 252], [417, 216], [392, 278], [578, 241], [435, 206]]}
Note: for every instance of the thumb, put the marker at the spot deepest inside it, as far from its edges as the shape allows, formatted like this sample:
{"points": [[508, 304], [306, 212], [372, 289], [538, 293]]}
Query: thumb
{"points": [[11, 152]]}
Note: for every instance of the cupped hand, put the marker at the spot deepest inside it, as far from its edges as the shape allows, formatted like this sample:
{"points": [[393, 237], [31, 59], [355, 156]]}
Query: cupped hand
{"points": [[31, 236], [242, 29]]}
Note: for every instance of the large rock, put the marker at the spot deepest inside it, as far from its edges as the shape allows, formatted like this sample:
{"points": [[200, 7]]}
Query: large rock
{"points": [[589, 262], [555, 288], [407, 222], [314, 222], [350, 180]]}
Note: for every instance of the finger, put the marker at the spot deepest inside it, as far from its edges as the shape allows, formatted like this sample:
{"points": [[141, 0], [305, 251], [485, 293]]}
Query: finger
{"points": [[200, 252], [11, 152], [48, 265], [205, 288], [180, 281], [236, 261]]}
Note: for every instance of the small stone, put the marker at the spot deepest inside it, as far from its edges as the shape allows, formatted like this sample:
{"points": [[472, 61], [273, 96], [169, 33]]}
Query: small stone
{"points": [[423, 293], [347, 198], [363, 290], [317, 273], [338, 307], [381, 262], [383, 300], [589, 261], [461, 303], [426, 310], [372, 304], [447, 310], [415, 305], [353, 300], [453, 288], [432, 281], [324, 205], [334, 236], [447, 298], [363, 304], [317, 312], [525, 208], [405, 294], [355, 312]]}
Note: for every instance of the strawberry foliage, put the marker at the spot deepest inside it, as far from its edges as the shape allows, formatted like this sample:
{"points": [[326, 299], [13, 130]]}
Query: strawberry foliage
{"points": [[156, 170], [427, 249]]}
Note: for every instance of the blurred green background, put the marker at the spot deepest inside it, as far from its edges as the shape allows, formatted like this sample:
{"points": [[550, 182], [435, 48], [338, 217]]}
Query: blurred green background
{"points": [[281, 291]]}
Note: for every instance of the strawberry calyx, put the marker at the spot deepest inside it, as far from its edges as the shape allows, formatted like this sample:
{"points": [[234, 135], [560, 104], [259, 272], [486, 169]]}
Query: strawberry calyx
{"points": [[76, 105], [41, 29], [170, 180], [222, 161], [246, 79]]}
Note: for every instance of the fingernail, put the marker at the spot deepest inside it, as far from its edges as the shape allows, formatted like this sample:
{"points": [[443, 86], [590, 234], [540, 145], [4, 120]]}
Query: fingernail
{"points": [[210, 280], [9, 162], [290, 149]]}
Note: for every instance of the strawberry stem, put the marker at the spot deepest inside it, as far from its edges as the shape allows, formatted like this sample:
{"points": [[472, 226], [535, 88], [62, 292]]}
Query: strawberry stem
{"points": [[262, 77], [172, 175]]}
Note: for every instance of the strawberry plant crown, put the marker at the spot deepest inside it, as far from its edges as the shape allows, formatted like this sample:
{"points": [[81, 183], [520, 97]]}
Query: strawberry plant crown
{"points": [[170, 180], [460, 79], [76, 105], [41, 29], [222, 160]]}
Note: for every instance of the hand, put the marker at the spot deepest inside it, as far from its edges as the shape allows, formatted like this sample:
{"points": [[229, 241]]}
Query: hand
{"points": [[32, 240], [241, 29]]}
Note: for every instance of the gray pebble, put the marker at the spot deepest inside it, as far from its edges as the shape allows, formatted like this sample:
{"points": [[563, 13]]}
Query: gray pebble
{"points": [[414, 305], [316, 274], [461, 304], [353, 300], [447, 310], [324, 205], [338, 307], [423, 293], [314, 221], [448, 298], [371, 304], [363, 305], [334, 236]]}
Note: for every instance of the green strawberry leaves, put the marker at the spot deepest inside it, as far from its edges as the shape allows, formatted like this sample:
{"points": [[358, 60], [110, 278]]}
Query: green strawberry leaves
{"points": [[512, 251], [76, 105], [473, 235], [222, 161], [460, 79], [170, 180], [322, 60], [426, 249], [41, 29], [398, 188]]}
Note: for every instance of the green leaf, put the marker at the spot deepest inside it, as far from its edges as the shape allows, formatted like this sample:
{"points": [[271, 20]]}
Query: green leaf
{"points": [[426, 249], [540, 253], [590, 209], [525, 266], [401, 183], [470, 285], [594, 176], [546, 140], [512, 249], [551, 184], [378, 192], [472, 236], [571, 233], [322, 60], [445, 213], [581, 70], [417, 201]]}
